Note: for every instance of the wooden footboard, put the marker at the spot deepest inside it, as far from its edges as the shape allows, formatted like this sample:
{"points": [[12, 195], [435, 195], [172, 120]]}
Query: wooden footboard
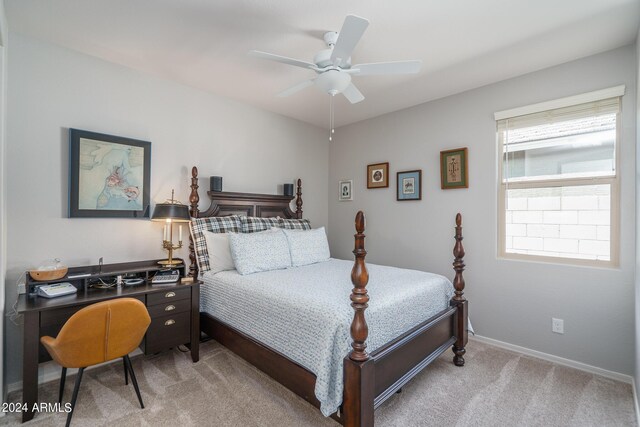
{"points": [[370, 379]]}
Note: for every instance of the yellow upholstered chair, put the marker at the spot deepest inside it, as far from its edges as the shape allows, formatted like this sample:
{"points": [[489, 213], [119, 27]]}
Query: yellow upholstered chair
{"points": [[98, 333]]}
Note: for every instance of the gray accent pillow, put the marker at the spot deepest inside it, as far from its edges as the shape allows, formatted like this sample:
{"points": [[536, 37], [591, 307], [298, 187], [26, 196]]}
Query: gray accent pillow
{"points": [[307, 246], [255, 252], [218, 224]]}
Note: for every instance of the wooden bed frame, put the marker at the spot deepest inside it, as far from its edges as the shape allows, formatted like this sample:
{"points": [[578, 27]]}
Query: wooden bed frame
{"points": [[369, 378]]}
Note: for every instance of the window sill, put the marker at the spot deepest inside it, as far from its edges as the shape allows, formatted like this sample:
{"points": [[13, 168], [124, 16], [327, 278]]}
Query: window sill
{"points": [[558, 261]]}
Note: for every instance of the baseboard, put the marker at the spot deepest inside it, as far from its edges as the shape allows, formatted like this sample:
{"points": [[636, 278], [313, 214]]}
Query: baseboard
{"points": [[556, 359], [50, 371], [635, 399]]}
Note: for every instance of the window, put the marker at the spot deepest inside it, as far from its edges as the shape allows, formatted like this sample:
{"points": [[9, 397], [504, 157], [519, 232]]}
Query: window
{"points": [[558, 191]]}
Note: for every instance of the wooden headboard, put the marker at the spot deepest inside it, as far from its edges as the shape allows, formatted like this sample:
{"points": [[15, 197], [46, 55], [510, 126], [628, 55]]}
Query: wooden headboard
{"points": [[224, 203]]}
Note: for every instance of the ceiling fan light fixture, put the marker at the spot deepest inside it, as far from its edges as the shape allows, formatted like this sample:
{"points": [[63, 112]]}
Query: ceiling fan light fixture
{"points": [[333, 81]]}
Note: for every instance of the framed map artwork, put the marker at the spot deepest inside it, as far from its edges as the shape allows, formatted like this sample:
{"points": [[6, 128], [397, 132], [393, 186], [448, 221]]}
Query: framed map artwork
{"points": [[109, 176]]}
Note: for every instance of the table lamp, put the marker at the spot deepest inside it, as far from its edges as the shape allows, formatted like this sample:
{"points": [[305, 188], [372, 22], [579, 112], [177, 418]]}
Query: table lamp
{"points": [[170, 211]]}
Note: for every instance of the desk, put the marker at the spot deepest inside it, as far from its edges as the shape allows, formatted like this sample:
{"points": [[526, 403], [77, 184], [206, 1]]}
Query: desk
{"points": [[174, 311]]}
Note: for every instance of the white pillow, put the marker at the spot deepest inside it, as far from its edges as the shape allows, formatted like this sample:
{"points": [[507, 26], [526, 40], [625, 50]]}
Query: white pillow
{"points": [[307, 246], [254, 252], [219, 253]]}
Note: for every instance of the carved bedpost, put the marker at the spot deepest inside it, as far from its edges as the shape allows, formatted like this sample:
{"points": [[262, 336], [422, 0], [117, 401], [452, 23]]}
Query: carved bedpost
{"points": [[459, 299], [359, 369], [299, 200], [359, 296], [458, 262], [194, 198]]}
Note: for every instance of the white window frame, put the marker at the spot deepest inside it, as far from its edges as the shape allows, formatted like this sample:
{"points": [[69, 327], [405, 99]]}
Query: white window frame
{"points": [[613, 181]]}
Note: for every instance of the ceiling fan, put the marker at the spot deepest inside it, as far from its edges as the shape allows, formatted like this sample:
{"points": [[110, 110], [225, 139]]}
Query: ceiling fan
{"points": [[333, 65]]}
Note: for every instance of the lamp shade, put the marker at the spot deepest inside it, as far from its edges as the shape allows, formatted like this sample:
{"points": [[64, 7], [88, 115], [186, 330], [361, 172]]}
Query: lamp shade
{"points": [[174, 211]]}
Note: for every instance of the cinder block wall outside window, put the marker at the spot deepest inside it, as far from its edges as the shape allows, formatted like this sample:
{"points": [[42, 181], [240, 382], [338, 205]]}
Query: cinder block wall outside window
{"points": [[561, 221]]}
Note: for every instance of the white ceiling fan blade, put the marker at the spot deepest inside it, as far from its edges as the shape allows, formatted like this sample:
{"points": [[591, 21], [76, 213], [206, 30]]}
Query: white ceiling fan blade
{"points": [[282, 59], [353, 94], [349, 36], [294, 89], [377, 68]]}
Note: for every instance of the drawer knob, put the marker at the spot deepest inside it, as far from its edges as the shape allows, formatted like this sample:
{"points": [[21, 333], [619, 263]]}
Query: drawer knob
{"points": [[170, 295], [170, 307], [169, 322]]}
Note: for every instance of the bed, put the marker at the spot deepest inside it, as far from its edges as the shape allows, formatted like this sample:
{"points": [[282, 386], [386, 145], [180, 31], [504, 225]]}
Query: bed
{"points": [[313, 340]]}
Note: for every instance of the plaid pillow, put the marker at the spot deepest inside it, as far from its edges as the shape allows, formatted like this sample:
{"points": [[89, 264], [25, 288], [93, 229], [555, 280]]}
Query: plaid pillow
{"points": [[216, 224], [295, 224], [251, 224]]}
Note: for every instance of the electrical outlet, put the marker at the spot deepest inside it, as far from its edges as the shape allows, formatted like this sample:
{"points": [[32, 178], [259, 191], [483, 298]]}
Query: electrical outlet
{"points": [[557, 325]]}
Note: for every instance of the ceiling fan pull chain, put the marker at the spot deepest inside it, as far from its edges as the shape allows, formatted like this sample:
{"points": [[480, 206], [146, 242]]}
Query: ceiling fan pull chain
{"points": [[333, 114], [330, 117]]}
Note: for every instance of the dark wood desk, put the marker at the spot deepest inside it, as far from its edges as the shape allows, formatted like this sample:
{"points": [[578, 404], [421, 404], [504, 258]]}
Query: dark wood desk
{"points": [[174, 311]]}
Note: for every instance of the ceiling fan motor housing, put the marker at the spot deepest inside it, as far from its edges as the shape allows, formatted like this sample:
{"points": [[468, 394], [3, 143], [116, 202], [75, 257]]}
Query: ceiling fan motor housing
{"points": [[323, 59]]}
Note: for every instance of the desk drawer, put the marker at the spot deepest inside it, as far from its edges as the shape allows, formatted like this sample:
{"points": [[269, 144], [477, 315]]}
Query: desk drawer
{"points": [[167, 296], [59, 316], [169, 307], [168, 331]]}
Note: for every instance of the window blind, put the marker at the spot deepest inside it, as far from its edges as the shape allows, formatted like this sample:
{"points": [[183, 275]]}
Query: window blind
{"points": [[583, 111], [547, 144]]}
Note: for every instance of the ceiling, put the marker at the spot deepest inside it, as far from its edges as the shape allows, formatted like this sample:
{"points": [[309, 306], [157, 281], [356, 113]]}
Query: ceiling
{"points": [[203, 43]]}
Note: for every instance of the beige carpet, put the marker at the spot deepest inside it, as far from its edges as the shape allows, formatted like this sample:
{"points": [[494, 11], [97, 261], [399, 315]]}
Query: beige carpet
{"points": [[496, 388]]}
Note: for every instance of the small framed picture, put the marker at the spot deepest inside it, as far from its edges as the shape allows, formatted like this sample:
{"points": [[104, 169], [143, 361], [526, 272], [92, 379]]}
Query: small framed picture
{"points": [[378, 175], [345, 188], [409, 185], [454, 169]]}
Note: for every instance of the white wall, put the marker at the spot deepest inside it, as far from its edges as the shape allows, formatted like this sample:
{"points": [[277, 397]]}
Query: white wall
{"points": [[510, 301], [4, 36], [53, 89], [637, 281]]}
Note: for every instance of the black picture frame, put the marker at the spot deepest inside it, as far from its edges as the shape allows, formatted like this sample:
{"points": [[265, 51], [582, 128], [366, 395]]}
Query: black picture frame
{"points": [[414, 192], [120, 193]]}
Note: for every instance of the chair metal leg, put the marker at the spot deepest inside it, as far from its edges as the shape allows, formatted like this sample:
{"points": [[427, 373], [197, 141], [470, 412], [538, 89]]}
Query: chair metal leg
{"points": [[133, 379], [75, 396], [126, 371], [63, 377]]}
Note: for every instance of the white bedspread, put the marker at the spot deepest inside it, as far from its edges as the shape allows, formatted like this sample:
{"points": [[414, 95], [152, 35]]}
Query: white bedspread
{"points": [[305, 312]]}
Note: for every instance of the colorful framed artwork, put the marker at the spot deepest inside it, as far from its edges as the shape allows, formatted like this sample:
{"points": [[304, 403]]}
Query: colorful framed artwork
{"points": [[109, 176], [454, 169], [409, 185], [378, 175], [345, 188]]}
